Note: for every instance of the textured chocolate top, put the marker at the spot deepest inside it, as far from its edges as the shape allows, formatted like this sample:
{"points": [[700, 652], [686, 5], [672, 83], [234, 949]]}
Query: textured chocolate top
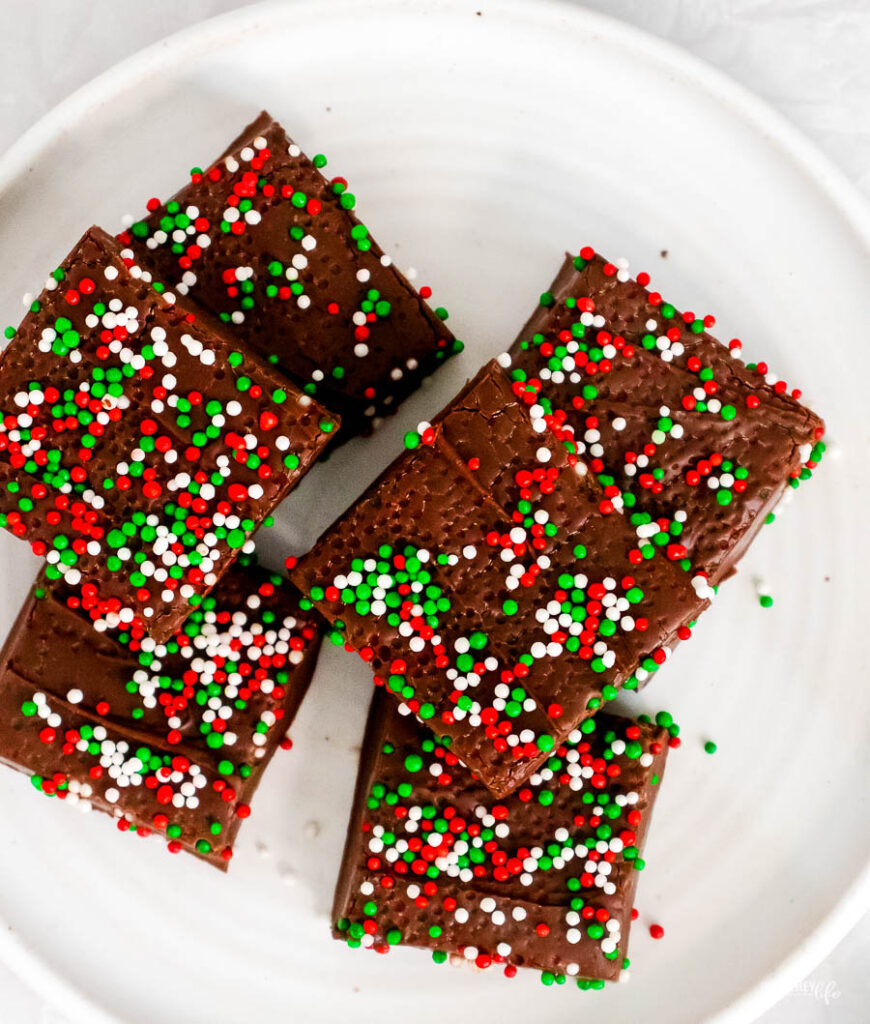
{"points": [[671, 421], [544, 878], [170, 738], [493, 588], [268, 244], [138, 449]]}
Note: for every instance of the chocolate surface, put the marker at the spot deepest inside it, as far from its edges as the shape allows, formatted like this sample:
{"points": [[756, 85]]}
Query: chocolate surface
{"points": [[671, 421], [169, 738], [544, 878], [273, 248], [494, 588], [139, 450]]}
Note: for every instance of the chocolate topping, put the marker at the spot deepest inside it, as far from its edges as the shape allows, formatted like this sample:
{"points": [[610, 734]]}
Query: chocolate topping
{"points": [[493, 588], [544, 878], [666, 415], [170, 738], [138, 449], [264, 241]]}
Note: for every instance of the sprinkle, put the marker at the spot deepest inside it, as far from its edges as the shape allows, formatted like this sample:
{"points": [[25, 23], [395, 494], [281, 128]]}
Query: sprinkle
{"points": [[764, 599]]}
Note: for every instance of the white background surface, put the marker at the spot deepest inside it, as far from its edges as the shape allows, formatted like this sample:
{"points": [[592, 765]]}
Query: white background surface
{"points": [[807, 58]]}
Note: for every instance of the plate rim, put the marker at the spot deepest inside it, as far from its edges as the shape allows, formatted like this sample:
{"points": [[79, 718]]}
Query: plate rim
{"points": [[212, 33]]}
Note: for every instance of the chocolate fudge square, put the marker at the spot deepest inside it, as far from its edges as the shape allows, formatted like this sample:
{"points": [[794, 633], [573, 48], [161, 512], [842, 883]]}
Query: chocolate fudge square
{"points": [[170, 738], [672, 422], [543, 879], [493, 588], [139, 450], [269, 245]]}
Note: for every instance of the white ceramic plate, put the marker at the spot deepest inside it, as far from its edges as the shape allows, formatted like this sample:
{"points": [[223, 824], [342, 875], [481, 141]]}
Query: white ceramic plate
{"points": [[481, 146]]}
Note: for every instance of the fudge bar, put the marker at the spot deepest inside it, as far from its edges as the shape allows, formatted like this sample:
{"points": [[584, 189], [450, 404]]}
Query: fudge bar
{"points": [[672, 422], [493, 587], [273, 248], [169, 738], [544, 878], [139, 450]]}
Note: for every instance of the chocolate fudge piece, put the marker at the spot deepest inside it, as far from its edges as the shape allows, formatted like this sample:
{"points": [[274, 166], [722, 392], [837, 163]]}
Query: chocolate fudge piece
{"points": [[544, 878], [169, 738], [673, 423], [139, 450], [264, 241], [493, 587]]}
